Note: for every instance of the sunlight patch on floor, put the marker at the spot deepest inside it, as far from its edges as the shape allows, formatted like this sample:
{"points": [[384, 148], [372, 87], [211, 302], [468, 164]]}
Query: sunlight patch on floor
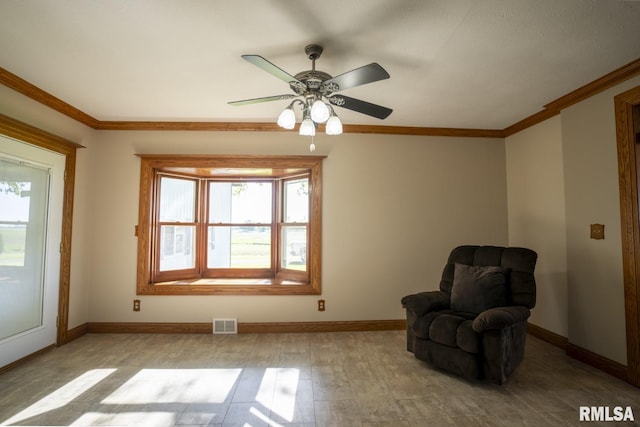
{"points": [[175, 386], [284, 393], [62, 396]]}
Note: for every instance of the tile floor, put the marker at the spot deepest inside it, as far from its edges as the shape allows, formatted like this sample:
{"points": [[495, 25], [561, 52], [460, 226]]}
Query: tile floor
{"points": [[316, 379]]}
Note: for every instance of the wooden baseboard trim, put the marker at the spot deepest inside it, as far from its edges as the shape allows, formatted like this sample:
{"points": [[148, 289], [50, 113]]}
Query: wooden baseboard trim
{"points": [[588, 357], [25, 359], [336, 326], [148, 328], [69, 336], [245, 328], [609, 366], [75, 333], [548, 336]]}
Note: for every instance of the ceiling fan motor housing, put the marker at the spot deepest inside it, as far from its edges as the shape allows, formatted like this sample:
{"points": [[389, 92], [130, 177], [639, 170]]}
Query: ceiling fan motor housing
{"points": [[313, 79]]}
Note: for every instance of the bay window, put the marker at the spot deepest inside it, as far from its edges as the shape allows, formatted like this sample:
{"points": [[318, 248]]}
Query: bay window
{"points": [[229, 225]]}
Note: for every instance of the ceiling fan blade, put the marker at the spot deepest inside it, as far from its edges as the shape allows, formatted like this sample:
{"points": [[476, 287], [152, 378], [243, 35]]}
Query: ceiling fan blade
{"points": [[359, 76], [263, 99], [361, 106], [270, 68]]}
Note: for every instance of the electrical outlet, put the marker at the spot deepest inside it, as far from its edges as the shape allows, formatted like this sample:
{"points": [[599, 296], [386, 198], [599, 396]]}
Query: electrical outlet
{"points": [[136, 305], [320, 305]]}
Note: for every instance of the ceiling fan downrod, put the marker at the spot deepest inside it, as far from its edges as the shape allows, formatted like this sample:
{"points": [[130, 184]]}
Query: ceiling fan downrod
{"points": [[313, 52]]}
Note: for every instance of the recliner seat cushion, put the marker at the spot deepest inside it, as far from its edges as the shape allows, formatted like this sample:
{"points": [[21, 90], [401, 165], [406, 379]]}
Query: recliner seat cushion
{"points": [[476, 288], [422, 324], [466, 338], [452, 330], [444, 329]]}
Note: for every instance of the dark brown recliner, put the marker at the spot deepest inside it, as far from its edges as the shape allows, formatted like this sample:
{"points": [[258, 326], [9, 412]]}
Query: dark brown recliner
{"points": [[475, 325]]}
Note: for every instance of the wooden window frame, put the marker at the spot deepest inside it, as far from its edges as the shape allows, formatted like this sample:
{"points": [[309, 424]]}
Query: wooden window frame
{"points": [[287, 282], [169, 275], [281, 225]]}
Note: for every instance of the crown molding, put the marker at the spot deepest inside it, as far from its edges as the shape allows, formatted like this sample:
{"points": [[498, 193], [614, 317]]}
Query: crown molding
{"points": [[195, 126], [424, 131], [553, 108], [273, 127], [605, 82], [22, 86]]}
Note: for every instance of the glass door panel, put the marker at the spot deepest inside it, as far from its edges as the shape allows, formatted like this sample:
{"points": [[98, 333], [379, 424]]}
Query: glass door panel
{"points": [[31, 204], [24, 193]]}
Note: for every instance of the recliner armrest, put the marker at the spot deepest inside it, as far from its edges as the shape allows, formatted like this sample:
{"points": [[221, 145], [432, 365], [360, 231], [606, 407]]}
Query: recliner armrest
{"points": [[425, 302], [500, 317]]}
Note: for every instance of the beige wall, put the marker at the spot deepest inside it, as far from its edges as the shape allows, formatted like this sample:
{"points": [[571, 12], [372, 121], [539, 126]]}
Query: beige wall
{"points": [[596, 293], [568, 166], [535, 191], [393, 207]]}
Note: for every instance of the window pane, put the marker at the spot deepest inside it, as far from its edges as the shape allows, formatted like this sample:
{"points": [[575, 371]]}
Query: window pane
{"points": [[296, 200], [177, 200], [294, 248], [239, 247], [240, 202], [177, 247], [15, 199]]}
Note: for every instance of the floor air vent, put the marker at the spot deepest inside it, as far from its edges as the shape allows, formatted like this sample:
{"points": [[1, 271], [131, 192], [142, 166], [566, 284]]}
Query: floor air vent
{"points": [[225, 326]]}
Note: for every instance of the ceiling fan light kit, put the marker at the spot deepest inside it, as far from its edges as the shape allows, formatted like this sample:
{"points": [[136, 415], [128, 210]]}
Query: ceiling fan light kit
{"points": [[287, 119], [307, 127], [334, 126], [319, 111], [315, 94]]}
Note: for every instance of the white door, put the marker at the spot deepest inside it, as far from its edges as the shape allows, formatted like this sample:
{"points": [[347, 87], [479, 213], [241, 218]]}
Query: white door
{"points": [[31, 200]]}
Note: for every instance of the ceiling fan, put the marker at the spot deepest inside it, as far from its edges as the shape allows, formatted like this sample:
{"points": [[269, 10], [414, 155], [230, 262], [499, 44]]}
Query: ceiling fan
{"points": [[315, 91]]}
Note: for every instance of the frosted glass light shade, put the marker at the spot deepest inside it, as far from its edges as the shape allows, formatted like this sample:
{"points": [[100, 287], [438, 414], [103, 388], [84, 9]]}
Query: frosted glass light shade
{"points": [[319, 112], [334, 126], [287, 119], [307, 128]]}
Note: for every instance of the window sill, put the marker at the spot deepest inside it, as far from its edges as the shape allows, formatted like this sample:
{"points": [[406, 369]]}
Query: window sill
{"points": [[246, 286]]}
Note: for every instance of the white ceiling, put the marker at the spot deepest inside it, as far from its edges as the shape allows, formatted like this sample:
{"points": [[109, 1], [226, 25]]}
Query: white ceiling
{"points": [[453, 63]]}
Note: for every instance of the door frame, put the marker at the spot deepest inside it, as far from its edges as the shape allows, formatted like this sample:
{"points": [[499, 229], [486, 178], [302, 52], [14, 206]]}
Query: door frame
{"points": [[26, 133], [628, 157]]}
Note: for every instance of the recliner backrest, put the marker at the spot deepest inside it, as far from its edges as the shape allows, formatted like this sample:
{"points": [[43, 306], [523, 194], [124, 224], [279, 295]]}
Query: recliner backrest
{"points": [[521, 262]]}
